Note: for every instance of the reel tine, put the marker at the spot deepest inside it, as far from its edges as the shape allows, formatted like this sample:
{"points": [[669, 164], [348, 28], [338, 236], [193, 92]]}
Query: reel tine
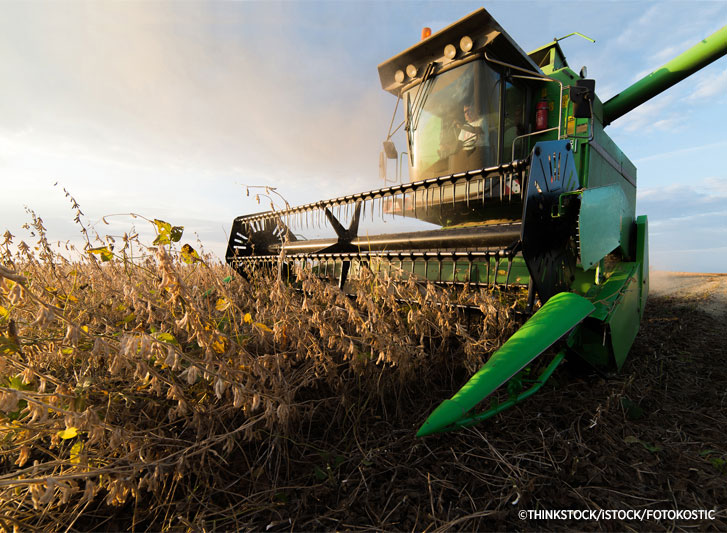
{"points": [[441, 198]]}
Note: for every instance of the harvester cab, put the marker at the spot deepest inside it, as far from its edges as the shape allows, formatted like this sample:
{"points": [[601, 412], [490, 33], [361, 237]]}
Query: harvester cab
{"points": [[461, 111], [513, 182]]}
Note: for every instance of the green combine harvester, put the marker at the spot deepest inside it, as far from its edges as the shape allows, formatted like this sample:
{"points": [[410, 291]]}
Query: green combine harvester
{"points": [[514, 183]]}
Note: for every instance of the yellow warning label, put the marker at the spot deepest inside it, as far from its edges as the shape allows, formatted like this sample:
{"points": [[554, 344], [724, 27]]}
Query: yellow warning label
{"points": [[570, 126]]}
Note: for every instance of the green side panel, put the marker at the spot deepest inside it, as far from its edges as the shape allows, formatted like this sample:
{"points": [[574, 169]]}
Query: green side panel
{"points": [[602, 213], [589, 341], [642, 256], [625, 319], [556, 318], [605, 338], [607, 166]]}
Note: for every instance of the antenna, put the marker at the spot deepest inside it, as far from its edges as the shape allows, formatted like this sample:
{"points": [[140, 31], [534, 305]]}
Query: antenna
{"points": [[575, 33]]}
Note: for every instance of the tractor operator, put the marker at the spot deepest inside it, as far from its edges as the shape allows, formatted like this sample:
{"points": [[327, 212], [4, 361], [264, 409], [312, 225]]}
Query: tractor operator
{"points": [[472, 132]]}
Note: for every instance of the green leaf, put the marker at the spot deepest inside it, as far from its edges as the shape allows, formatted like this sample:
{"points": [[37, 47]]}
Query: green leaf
{"points": [[719, 463], [103, 251], [176, 233], [514, 386], [227, 279], [653, 448], [126, 319], [320, 474], [705, 453], [8, 345], [633, 410], [16, 383], [14, 415], [166, 337]]}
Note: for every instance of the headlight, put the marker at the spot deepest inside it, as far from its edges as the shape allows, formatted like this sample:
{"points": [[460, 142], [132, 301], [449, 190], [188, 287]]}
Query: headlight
{"points": [[465, 43]]}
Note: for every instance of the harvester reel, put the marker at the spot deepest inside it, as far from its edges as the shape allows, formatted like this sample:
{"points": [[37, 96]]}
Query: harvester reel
{"points": [[249, 238], [550, 219], [257, 237]]}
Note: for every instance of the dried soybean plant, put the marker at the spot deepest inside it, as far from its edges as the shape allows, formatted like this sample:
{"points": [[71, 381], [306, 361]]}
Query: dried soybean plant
{"points": [[128, 385]]}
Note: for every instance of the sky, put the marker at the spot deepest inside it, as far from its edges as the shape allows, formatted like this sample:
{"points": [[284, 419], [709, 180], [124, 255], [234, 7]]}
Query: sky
{"points": [[169, 109]]}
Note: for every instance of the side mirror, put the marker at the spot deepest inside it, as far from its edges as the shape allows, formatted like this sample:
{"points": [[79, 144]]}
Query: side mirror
{"points": [[582, 96], [382, 166], [390, 150]]}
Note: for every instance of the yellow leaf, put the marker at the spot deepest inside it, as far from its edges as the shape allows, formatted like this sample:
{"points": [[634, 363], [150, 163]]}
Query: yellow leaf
{"points": [[222, 304], [218, 345], [76, 450], [85, 329], [263, 327], [103, 251], [68, 433], [126, 319], [3, 312], [189, 255], [247, 319]]}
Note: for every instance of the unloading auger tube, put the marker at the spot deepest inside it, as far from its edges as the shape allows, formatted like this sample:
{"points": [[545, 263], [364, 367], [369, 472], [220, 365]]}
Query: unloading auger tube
{"points": [[506, 200]]}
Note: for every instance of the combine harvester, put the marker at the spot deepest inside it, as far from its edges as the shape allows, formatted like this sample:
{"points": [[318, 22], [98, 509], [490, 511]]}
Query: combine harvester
{"points": [[516, 184]]}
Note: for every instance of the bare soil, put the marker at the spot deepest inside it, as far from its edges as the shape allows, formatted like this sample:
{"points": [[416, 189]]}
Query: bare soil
{"points": [[652, 437], [708, 290]]}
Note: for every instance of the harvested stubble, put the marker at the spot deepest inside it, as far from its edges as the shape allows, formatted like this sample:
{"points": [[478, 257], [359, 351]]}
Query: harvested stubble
{"points": [[158, 395]]}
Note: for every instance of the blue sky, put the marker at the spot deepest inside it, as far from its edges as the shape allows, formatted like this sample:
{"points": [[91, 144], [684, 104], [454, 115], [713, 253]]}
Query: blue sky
{"points": [[167, 109]]}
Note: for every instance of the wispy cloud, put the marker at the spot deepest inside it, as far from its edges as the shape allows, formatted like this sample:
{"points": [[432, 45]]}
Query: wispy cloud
{"points": [[660, 114], [710, 85], [687, 217], [711, 147]]}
